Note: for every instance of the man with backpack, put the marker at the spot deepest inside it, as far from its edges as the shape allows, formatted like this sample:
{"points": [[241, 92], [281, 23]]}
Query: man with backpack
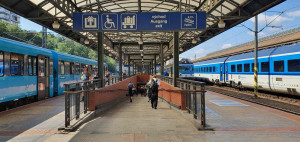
{"points": [[154, 84]]}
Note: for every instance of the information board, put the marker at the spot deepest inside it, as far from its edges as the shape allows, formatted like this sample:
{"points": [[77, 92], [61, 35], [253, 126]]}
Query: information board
{"points": [[136, 22]]}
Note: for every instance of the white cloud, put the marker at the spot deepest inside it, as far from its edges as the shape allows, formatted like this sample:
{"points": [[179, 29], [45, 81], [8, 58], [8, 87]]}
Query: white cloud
{"points": [[294, 13], [259, 34], [265, 19], [226, 46], [200, 51]]}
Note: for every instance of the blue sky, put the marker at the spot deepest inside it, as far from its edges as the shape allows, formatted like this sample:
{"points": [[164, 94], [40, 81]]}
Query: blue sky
{"points": [[238, 34]]}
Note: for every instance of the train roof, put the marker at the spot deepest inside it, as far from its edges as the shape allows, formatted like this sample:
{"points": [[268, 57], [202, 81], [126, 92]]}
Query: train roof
{"points": [[267, 52], [213, 61], [23, 48]]}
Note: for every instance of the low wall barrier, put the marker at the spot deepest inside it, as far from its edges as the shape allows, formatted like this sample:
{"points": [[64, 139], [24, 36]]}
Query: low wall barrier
{"points": [[189, 94]]}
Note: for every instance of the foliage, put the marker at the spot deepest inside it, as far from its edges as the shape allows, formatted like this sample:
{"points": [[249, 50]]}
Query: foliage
{"points": [[54, 42]]}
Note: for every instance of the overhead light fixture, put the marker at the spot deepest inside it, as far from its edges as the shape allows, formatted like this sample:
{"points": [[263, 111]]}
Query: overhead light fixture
{"points": [[86, 41], [181, 49], [109, 54], [194, 41], [55, 25], [141, 48], [140, 41], [221, 23], [142, 54]]}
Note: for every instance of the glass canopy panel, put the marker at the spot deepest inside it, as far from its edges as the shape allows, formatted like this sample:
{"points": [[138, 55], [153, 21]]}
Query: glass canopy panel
{"points": [[36, 2]]}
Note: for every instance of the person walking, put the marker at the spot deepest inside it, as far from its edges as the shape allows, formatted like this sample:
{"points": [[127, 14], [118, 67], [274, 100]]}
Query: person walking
{"points": [[154, 88], [148, 91], [130, 86], [107, 76]]}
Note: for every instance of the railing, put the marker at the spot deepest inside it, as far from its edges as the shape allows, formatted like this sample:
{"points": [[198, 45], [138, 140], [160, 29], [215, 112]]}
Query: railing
{"points": [[77, 99], [195, 96]]}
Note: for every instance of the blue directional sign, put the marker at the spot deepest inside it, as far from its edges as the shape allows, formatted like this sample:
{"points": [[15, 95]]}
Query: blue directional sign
{"points": [[158, 21], [109, 21], [90, 22]]}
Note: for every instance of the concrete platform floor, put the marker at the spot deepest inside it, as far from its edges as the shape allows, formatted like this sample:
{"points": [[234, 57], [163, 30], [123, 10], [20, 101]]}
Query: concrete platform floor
{"points": [[232, 120], [32, 122]]}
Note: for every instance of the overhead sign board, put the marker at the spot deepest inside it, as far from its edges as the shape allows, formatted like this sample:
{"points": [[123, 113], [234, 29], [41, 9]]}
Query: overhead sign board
{"points": [[136, 22]]}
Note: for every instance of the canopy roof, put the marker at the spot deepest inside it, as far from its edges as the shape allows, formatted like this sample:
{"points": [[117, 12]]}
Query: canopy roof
{"points": [[233, 12]]}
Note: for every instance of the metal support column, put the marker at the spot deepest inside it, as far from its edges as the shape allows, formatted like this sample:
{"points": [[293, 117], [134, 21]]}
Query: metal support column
{"points": [[44, 37], [154, 64], [161, 59], [100, 60], [128, 65], [255, 60], [175, 57], [120, 62]]}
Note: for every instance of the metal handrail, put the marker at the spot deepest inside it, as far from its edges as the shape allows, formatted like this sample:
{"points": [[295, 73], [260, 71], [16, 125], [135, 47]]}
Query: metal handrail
{"points": [[192, 90]]}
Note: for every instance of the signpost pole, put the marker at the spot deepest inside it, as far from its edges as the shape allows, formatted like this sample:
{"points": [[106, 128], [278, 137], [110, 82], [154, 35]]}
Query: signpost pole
{"points": [[100, 60], [128, 65], [120, 62], [161, 59], [175, 57], [154, 64]]}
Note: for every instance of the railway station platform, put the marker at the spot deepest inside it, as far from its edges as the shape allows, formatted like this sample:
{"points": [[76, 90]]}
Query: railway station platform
{"points": [[230, 120]]}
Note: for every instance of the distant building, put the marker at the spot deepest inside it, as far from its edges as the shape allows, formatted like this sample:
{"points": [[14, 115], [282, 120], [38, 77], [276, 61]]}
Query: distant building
{"points": [[10, 17]]}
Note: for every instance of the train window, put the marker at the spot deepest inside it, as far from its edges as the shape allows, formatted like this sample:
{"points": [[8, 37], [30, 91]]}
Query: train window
{"points": [[278, 66], [214, 69], [239, 68], [62, 68], [72, 68], [31, 65], [246, 67], [293, 65], [1, 64], [264, 66], [77, 68], [210, 70], [206, 69], [201, 69], [253, 67], [232, 68], [16, 64], [67, 68]]}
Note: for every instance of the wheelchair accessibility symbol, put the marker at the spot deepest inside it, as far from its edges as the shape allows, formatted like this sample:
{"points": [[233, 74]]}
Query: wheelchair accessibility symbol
{"points": [[109, 21]]}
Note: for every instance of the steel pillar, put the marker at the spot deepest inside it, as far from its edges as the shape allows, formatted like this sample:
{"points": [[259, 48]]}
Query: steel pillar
{"points": [[175, 57], [129, 65], [255, 60], [44, 37], [161, 59], [154, 64], [100, 60], [120, 62]]}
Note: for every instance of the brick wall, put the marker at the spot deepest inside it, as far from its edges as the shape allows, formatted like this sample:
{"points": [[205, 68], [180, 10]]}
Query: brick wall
{"points": [[110, 93], [119, 90], [177, 98]]}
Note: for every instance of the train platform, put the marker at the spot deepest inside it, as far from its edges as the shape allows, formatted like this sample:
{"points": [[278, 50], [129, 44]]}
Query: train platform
{"points": [[230, 119], [32, 122]]}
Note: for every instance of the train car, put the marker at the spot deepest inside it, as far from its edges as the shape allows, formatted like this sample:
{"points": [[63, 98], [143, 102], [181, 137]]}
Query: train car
{"points": [[31, 72], [210, 70], [278, 70], [186, 68]]}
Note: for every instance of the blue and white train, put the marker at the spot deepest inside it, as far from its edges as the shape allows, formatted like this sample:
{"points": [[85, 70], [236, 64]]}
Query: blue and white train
{"points": [[186, 68], [27, 71], [278, 70]]}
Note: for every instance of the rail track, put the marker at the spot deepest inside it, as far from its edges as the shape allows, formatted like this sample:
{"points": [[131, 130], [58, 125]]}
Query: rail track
{"points": [[261, 100]]}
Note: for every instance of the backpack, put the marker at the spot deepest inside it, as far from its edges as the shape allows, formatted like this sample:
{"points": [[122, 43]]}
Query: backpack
{"points": [[154, 84]]}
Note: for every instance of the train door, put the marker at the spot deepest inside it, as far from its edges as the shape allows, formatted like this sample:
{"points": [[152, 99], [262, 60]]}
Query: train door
{"points": [[221, 72], [226, 71], [43, 77]]}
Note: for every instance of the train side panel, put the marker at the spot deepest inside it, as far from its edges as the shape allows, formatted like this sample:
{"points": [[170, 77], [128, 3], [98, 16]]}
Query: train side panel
{"points": [[16, 87]]}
